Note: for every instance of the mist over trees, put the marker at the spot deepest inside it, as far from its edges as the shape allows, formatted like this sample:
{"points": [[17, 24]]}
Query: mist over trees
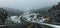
{"points": [[12, 12]]}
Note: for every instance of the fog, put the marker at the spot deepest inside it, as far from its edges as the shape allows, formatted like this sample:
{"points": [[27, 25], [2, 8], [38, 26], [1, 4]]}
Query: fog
{"points": [[27, 4]]}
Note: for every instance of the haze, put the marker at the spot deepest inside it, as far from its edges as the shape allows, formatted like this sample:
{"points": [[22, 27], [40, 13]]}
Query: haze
{"points": [[27, 4]]}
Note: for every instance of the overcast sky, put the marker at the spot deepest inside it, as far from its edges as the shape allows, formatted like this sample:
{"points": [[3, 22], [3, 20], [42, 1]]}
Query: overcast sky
{"points": [[27, 4]]}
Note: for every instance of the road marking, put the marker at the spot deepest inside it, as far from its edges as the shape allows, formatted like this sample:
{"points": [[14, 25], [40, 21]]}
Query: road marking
{"points": [[29, 26]]}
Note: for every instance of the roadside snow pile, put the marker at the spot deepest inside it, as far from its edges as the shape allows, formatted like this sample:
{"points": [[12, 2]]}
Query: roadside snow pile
{"points": [[13, 19]]}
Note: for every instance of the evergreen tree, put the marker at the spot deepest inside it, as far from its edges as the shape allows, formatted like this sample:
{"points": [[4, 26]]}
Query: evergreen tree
{"points": [[3, 15]]}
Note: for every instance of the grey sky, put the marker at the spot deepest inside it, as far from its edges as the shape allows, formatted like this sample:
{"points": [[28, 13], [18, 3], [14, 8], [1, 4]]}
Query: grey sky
{"points": [[27, 4]]}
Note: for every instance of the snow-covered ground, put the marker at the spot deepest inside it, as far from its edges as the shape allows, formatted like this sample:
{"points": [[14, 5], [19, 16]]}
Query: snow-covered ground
{"points": [[16, 19], [27, 16]]}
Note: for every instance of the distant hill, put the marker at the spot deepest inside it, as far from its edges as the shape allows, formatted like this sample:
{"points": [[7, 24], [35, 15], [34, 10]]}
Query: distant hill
{"points": [[41, 10], [13, 11]]}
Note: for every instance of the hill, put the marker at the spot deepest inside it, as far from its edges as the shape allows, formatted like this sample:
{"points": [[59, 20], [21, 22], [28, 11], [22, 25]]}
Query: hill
{"points": [[12, 12]]}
